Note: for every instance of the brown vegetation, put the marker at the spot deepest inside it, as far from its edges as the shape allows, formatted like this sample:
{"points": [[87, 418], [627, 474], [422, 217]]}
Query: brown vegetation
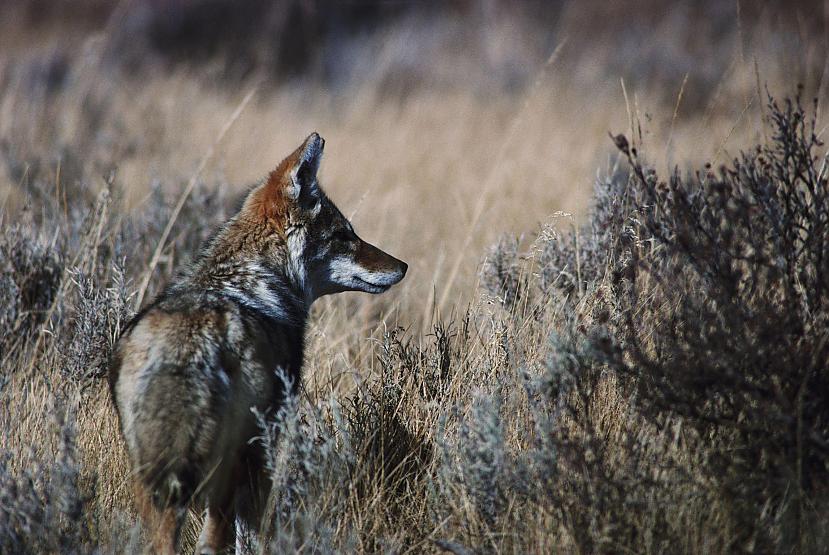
{"points": [[645, 375]]}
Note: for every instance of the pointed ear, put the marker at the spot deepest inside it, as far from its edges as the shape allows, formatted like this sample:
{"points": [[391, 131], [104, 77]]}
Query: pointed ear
{"points": [[303, 166]]}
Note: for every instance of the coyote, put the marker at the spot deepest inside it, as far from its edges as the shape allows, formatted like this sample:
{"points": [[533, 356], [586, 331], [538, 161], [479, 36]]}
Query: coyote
{"points": [[190, 368]]}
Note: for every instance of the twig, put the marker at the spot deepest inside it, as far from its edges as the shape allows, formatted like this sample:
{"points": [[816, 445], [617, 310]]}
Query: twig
{"points": [[721, 149], [673, 121]]}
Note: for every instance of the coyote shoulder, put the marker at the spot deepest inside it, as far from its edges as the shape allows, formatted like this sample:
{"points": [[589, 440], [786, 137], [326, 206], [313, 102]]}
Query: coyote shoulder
{"points": [[188, 369]]}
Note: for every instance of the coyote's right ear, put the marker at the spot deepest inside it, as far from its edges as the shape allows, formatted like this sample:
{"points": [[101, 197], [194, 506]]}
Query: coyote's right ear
{"points": [[293, 183], [303, 167]]}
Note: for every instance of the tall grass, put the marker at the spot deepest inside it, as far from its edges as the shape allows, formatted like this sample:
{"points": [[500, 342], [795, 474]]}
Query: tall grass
{"points": [[644, 372]]}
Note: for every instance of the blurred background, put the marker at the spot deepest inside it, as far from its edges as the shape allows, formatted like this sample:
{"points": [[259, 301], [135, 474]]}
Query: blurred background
{"points": [[460, 135], [447, 123]]}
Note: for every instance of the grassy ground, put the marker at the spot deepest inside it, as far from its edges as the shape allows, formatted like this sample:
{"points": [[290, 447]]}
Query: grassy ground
{"points": [[512, 394]]}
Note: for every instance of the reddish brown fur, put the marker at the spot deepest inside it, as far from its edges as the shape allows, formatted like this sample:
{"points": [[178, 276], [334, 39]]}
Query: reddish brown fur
{"points": [[270, 203]]}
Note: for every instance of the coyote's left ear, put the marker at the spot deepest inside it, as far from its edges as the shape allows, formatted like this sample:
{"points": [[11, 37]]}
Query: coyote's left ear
{"points": [[305, 162]]}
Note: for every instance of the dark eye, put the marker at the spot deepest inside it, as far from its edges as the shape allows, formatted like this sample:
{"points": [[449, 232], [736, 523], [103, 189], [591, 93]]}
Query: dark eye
{"points": [[342, 236]]}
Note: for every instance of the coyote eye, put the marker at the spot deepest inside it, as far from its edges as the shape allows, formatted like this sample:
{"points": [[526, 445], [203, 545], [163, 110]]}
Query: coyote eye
{"points": [[342, 235]]}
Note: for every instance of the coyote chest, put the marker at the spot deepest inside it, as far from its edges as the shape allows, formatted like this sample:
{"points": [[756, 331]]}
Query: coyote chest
{"points": [[225, 340]]}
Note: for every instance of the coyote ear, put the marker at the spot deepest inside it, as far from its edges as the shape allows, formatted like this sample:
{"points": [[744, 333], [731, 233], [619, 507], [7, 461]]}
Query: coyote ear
{"points": [[305, 162]]}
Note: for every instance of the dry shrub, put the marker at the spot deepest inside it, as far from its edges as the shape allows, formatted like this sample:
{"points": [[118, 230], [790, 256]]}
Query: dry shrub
{"points": [[649, 381], [41, 506], [30, 271], [685, 390], [724, 310]]}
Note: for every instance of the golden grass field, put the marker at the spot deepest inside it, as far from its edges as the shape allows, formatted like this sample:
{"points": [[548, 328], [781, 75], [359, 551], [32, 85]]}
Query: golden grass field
{"points": [[435, 155]]}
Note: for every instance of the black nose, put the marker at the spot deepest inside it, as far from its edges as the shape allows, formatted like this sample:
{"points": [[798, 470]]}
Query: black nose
{"points": [[404, 267]]}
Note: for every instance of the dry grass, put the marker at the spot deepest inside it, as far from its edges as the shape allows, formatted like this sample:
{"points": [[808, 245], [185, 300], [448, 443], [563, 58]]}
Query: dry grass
{"points": [[430, 406]]}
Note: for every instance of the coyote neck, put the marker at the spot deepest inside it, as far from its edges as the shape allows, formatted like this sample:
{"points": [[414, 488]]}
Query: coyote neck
{"points": [[257, 286]]}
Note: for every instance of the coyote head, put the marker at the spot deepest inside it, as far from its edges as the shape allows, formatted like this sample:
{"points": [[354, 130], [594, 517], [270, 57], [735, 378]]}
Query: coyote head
{"points": [[299, 229]]}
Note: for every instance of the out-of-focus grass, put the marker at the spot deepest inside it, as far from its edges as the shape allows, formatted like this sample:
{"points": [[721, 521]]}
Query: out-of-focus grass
{"points": [[444, 131]]}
